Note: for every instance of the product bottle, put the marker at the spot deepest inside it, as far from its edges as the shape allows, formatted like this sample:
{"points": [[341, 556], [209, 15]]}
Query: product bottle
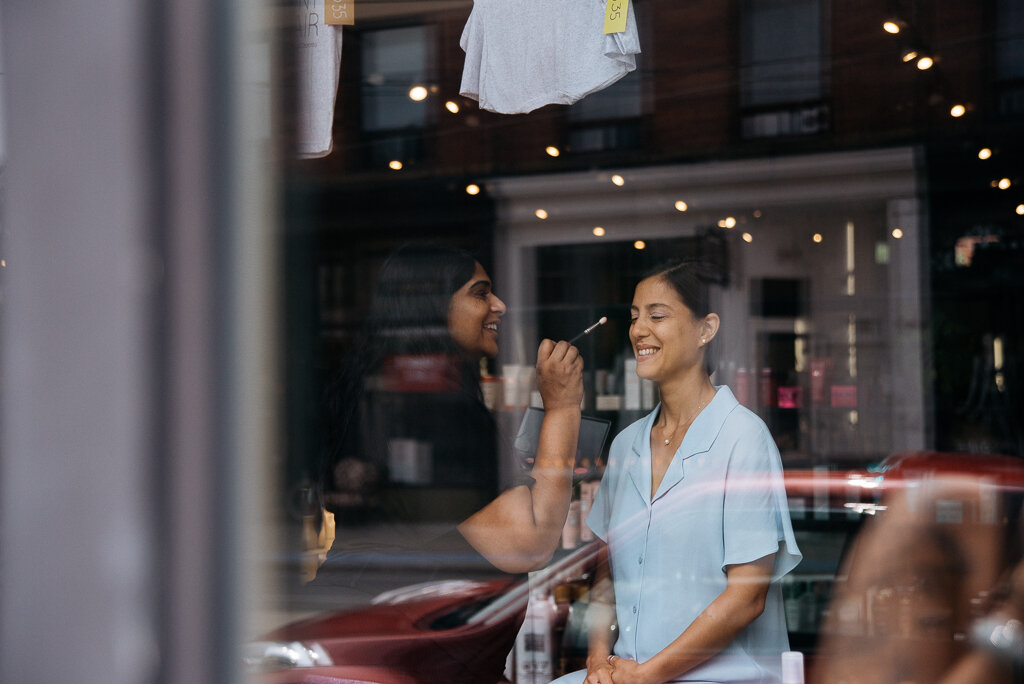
{"points": [[571, 529], [534, 645], [792, 667]]}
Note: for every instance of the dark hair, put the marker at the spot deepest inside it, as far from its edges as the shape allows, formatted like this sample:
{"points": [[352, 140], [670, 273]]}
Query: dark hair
{"points": [[409, 310], [408, 315], [690, 280]]}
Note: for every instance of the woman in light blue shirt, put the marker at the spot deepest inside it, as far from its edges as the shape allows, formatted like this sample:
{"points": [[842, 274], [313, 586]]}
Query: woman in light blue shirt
{"points": [[693, 511]]}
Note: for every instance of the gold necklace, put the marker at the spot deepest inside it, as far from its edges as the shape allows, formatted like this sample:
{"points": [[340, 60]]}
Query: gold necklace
{"points": [[693, 415]]}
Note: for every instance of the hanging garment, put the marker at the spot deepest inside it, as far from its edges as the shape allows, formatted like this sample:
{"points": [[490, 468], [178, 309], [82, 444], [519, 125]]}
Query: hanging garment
{"points": [[521, 55], [318, 64]]}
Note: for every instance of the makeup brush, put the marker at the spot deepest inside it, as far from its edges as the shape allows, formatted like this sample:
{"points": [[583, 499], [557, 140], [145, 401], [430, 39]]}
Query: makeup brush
{"points": [[604, 319]]}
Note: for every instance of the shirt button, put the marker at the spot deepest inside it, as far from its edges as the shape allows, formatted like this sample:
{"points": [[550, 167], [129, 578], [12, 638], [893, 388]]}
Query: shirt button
{"points": [[640, 560], [634, 610]]}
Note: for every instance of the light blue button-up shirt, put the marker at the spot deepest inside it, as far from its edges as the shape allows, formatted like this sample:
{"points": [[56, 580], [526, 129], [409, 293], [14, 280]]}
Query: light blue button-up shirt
{"points": [[722, 502]]}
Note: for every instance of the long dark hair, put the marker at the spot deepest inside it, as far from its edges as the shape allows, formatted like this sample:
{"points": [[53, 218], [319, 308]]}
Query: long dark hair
{"points": [[408, 315], [691, 281], [409, 310]]}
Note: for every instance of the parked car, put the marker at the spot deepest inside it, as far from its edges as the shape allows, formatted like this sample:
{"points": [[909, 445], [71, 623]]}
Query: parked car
{"points": [[435, 631]]}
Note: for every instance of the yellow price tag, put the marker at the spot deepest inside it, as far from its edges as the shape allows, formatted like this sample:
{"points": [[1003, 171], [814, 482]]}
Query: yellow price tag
{"points": [[339, 12], [615, 16]]}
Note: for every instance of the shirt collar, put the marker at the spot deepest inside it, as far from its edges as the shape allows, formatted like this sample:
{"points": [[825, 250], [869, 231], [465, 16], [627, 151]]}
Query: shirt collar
{"points": [[708, 425]]}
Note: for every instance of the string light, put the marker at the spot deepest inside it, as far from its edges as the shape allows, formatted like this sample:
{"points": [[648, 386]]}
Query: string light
{"points": [[747, 237], [598, 231], [395, 165], [957, 111], [472, 189], [817, 237], [541, 214], [452, 107], [1020, 212], [925, 63], [681, 206], [618, 180], [552, 151], [984, 153], [1004, 183], [892, 26], [897, 233], [417, 93]]}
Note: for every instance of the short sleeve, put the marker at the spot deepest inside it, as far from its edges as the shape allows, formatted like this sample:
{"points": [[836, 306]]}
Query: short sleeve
{"points": [[756, 512]]}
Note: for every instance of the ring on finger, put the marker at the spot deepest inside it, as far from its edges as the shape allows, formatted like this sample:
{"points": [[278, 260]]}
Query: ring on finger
{"points": [[611, 658]]}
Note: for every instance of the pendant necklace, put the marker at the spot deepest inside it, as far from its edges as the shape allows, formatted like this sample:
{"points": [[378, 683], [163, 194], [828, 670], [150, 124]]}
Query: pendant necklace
{"points": [[700, 405]]}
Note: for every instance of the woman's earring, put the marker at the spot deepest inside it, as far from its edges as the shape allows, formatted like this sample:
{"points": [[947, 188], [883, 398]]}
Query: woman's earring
{"points": [[703, 340]]}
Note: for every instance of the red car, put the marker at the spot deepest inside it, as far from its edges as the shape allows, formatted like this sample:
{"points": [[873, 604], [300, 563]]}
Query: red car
{"points": [[435, 632]]}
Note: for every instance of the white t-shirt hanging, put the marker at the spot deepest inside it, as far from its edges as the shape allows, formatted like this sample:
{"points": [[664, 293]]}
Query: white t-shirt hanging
{"points": [[521, 54], [318, 63]]}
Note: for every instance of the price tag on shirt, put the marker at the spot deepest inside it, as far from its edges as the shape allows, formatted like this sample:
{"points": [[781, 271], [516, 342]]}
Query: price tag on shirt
{"points": [[615, 16], [341, 12]]}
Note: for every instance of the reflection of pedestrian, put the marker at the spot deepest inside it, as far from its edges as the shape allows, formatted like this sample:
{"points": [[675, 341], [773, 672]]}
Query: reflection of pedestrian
{"points": [[927, 595], [693, 511], [412, 391], [992, 405]]}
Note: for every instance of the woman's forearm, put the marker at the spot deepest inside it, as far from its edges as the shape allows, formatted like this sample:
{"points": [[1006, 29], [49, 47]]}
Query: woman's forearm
{"points": [[518, 531], [552, 473], [714, 629], [741, 603]]}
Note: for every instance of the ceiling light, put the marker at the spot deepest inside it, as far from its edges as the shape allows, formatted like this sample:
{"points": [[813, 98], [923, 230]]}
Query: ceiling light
{"points": [[472, 189], [452, 107], [417, 93], [598, 231], [618, 180], [925, 63], [541, 214], [984, 153], [552, 151], [681, 206], [395, 165]]}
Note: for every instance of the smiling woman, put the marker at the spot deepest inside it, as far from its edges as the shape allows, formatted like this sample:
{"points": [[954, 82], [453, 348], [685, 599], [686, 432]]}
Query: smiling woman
{"points": [[474, 315], [678, 472], [413, 448]]}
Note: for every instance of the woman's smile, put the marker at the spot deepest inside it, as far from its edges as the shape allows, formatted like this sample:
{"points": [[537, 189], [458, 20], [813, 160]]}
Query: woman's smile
{"points": [[645, 352]]}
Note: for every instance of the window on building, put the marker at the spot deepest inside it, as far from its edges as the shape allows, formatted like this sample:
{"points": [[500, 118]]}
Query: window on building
{"points": [[395, 61], [1010, 55], [782, 54], [608, 119]]}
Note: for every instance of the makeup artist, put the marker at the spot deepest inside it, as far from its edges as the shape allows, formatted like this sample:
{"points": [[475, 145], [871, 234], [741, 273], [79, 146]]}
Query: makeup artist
{"points": [[435, 311], [693, 513]]}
